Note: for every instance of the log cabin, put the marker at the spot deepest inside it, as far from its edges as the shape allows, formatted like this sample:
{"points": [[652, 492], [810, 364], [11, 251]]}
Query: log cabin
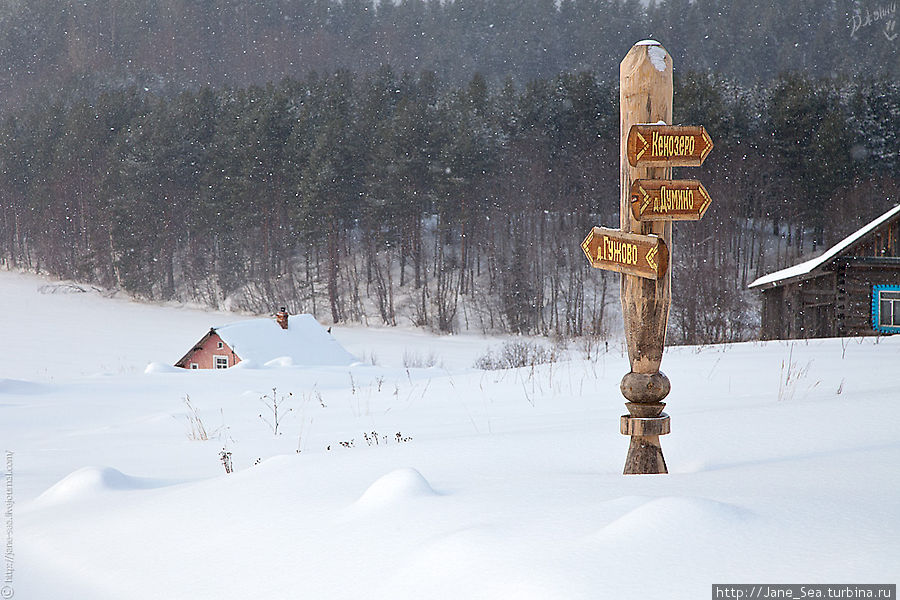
{"points": [[852, 289]]}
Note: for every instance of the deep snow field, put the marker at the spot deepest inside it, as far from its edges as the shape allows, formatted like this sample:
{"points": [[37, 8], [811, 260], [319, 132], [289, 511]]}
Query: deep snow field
{"points": [[784, 463]]}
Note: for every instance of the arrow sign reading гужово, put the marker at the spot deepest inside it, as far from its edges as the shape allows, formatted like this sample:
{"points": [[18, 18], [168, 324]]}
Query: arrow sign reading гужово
{"points": [[668, 200], [629, 253], [668, 145]]}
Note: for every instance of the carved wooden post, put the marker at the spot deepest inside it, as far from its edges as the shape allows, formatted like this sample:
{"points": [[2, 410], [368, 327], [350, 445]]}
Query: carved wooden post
{"points": [[641, 248], [645, 96]]}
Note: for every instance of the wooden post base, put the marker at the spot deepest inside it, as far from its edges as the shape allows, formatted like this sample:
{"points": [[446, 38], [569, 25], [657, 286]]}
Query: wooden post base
{"points": [[645, 456], [645, 422]]}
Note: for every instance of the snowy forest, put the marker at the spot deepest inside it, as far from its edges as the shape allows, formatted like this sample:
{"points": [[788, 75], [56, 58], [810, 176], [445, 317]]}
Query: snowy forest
{"points": [[425, 162]]}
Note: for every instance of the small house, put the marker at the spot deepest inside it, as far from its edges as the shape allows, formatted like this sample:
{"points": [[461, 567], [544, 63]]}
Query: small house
{"points": [[852, 289], [286, 340]]}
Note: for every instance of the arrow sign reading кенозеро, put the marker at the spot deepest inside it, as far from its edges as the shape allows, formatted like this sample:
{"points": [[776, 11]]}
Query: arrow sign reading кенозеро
{"points": [[629, 253], [668, 200], [667, 145]]}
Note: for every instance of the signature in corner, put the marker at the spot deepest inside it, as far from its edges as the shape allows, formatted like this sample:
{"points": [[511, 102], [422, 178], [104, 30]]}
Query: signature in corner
{"points": [[889, 30], [886, 13]]}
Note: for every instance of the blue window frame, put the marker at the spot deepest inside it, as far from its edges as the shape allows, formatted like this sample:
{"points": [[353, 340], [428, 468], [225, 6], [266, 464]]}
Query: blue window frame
{"points": [[886, 308]]}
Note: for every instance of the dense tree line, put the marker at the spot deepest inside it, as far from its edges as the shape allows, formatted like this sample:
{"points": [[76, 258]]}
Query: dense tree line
{"points": [[447, 163], [393, 197], [178, 44]]}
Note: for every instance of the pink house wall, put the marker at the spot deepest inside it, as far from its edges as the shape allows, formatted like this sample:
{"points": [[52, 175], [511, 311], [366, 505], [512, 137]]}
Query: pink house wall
{"points": [[204, 355]]}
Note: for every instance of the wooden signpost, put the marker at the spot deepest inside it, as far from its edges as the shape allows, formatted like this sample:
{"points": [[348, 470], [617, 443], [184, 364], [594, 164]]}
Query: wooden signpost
{"points": [[668, 200], [614, 250], [650, 200], [661, 145]]}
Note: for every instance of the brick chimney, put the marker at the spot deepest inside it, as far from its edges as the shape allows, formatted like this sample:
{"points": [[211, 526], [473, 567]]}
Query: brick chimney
{"points": [[282, 317]]}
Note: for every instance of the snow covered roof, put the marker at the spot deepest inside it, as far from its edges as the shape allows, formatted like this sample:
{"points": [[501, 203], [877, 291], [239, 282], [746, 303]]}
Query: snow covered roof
{"points": [[304, 342], [805, 268]]}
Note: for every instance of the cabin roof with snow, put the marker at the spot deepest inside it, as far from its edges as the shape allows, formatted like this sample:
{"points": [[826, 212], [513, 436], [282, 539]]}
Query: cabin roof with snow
{"points": [[844, 247], [261, 341]]}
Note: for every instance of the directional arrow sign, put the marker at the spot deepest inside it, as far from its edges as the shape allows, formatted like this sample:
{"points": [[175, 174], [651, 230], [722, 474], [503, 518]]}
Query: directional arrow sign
{"points": [[668, 145], [629, 253], [668, 200]]}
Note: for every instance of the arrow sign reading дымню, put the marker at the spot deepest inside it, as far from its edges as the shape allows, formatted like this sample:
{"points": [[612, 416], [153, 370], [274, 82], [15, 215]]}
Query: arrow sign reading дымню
{"points": [[668, 200], [629, 253], [667, 145]]}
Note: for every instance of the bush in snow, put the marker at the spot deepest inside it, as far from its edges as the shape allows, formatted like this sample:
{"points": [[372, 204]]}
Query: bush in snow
{"points": [[516, 354], [275, 404]]}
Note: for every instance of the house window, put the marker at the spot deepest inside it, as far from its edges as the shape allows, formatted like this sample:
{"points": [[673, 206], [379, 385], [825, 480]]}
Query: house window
{"points": [[886, 308], [220, 345], [195, 366], [220, 362]]}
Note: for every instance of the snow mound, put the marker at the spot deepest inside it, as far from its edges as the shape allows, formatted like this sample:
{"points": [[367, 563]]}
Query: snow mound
{"points": [[281, 361], [158, 367], [248, 363], [676, 517], [483, 562], [396, 486], [16, 386], [89, 482]]}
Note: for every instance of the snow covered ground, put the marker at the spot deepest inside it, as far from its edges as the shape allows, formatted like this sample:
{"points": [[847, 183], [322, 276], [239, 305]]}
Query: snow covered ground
{"points": [[783, 464]]}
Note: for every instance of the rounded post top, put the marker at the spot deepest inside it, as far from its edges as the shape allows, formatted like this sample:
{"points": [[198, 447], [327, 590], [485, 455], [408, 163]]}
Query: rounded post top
{"points": [[647, 51]]}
